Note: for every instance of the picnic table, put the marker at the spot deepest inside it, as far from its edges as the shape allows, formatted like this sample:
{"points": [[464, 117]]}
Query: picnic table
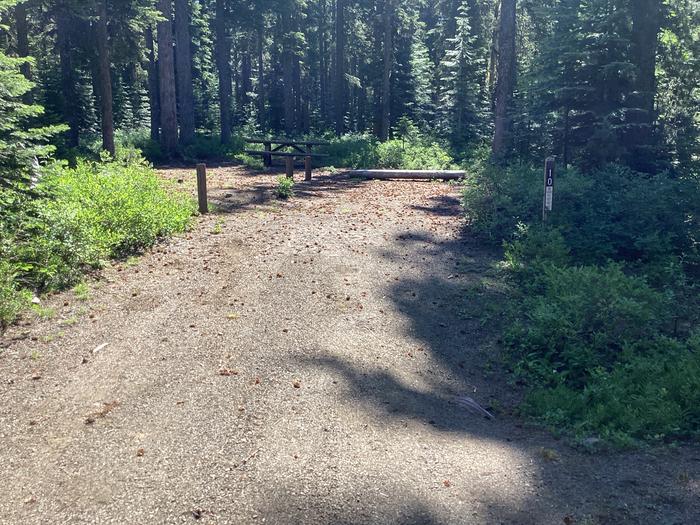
{"points": [[299, 148]]}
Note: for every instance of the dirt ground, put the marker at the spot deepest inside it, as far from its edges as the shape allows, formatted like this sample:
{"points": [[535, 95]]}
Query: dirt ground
{"points": [[298, 362]]}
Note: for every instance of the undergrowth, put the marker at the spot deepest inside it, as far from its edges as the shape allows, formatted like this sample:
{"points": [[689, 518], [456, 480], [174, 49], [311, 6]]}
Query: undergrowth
{"points": [[82, 217], [409, 149], [603, 330], [285, 187]]}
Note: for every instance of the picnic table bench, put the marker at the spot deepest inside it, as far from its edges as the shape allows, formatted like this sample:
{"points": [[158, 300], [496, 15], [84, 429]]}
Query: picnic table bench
{"points": [[300, 148]]}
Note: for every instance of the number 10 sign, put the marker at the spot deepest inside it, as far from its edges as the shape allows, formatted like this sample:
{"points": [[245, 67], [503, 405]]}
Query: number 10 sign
{"points": [[548, 187]]}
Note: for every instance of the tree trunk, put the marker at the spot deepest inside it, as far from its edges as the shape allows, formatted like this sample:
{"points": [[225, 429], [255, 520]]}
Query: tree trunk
{"points": [[261, 74], [493, 55], [23, 45], [388, 65], [246, 72], [71, 106], [183, 56], [104, 79], [505, 81], [153, 86], [645, 33], [223, 64], [288, 78], [296, 85], [339, 87], [323, 87], [166, 75]]}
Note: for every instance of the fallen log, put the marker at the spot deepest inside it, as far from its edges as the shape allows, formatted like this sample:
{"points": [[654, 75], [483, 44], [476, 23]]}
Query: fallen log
{"points": [[409, 174]]}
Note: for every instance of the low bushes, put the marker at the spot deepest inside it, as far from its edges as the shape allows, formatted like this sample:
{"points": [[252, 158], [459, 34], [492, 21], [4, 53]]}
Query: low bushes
{"points": [[409, 152], [612, 213], [254, 163], [352, 151], [419, 155], [285, 187], [202, 148], [12, 299], [649, 397], [596, 333], [83, 216]]}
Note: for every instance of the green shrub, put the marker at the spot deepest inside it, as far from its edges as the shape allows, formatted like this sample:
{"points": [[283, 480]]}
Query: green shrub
{"points": [[285, 187], [597, 351], [251, 162], [650, 397], [208, 147], [413, 155], [352, 151], [612, 213], [139, 139], [584, 318], [93, 212], [532, 249], [203, 147], [12, 299], [497, 199], [365, 151]]}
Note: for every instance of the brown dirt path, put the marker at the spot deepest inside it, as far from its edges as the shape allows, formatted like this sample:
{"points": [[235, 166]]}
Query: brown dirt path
{"points": [[297, 363]]}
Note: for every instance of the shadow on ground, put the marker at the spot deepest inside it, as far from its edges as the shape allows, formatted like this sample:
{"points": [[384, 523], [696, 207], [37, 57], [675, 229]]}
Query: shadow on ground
{"points": [[453, 309], [232, 199]]}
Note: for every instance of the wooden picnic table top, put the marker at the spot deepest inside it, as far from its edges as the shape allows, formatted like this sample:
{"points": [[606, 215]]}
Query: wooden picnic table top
{"points": [[286, 142], [284, 153]]}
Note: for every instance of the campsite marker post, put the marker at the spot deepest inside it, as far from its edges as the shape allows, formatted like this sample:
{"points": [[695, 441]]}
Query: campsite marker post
{"points": [[202, 188], [548, 187]]}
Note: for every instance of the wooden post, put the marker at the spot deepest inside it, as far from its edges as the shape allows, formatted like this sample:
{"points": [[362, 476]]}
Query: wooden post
{"points": [[307, 163], [548, 197], [202, 188], [290, 166], [267, 159]]}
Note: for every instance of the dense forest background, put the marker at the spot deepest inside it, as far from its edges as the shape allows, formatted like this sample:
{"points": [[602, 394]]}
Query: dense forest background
{"points": [[589, 81]]}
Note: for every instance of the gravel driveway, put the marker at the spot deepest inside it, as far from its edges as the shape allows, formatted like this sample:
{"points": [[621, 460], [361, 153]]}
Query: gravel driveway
{"points": [[298, 362]]}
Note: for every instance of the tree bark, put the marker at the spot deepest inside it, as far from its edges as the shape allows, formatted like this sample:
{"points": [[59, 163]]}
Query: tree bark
{"points": [[71, 107], [247, 71], [223, 64], [296, 86], [104, 79], [23, 45], [166, 75], [505, 81], [153, 86], [645, 33], [322, 77], [288, 76], [261, 73], [339, 87], [388, 66], [183, 56], [493, 53]]}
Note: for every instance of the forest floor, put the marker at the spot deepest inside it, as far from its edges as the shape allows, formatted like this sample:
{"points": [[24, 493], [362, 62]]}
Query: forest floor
{"points": [[298, 362]]}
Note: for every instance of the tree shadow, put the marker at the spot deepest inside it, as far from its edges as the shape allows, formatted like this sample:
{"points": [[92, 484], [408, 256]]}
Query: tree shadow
{"points": [[443, 206], [235, 199], [452, 306], [400, 508]]}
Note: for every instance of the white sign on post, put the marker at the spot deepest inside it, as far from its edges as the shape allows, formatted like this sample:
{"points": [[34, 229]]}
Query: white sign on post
{"points": [[548, 193], [548, 187]]}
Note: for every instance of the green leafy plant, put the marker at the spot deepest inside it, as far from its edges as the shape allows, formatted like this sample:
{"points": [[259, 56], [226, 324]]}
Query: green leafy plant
{"points": [[585, 318], [249, 161], [85, 215], [413, 155], [12, 299], [352, 151], [285, 187], [598, 352]]}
